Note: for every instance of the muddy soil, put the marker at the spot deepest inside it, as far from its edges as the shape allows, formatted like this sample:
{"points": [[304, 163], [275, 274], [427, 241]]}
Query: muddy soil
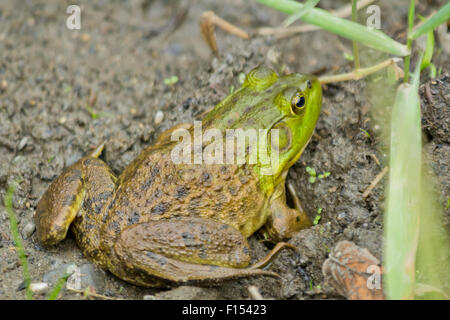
{"points": [[117, 64]]}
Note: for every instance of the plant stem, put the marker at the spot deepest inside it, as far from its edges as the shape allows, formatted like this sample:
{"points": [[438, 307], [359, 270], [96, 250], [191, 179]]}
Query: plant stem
{"points": [[355, 43], [409, 42], [16, 237], [359, 73]]}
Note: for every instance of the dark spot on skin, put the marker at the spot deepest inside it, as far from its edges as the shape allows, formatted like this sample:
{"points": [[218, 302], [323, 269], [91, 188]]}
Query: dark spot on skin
{"points": [[88, 226], [69, 199], [223, 227], [114, 226], [206, 179], [104, 195], [297, 219], [243, 179], [111, 204], [187, 236], [134, 218], [75, 175], [230, 122], [98, 207], [181, 192], [204, 234], [150, 180], [119, 213], [250, 122], [202, 254], [235, 99], [233, 190], [157, 258], [160, 208], [247, 109]]}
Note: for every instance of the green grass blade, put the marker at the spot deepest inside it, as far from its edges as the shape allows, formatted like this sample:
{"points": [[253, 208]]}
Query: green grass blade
{"points": [[345, 28], [411, 16], [438, 18], [16, 237], [58, 287], [309, 4], [429, 50], [401, 226]]}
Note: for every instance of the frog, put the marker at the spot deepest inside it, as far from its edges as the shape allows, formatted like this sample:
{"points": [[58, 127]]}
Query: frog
{"points": [[161, 223]]}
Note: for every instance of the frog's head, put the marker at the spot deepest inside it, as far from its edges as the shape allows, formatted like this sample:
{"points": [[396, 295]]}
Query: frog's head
{"points": [[289, 103]]}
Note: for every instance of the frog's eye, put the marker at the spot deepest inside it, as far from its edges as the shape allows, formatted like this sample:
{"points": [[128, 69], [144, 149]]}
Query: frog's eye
{"points": [[298, 102]]}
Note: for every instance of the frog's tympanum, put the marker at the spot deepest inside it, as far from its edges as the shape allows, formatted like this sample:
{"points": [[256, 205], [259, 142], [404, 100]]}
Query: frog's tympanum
{"points": [[162, 223]]}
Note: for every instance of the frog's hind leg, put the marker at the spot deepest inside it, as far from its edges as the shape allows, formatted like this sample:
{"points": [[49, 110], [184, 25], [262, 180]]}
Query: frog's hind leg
{"points": [[189, 249], [66, 196]]}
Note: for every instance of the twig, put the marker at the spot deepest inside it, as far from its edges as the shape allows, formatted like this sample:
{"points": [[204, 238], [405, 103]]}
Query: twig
{"points": [[92, 294], [375, 181], [286, 32], [207, 22], [363, 72], [254, 293]]}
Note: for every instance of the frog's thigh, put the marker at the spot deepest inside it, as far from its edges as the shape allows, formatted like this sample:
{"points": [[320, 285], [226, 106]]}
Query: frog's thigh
{"points": [[63, 200], [185, 249]]}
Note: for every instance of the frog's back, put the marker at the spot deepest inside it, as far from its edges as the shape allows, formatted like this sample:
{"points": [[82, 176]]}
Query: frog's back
{"points": [[153, 187]]}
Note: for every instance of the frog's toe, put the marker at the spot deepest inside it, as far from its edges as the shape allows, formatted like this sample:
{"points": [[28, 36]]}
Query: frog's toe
{"points": [[59, 206]]}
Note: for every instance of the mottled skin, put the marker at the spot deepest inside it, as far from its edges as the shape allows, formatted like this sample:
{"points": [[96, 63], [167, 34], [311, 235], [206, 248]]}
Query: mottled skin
{"points": [[161, 223]]}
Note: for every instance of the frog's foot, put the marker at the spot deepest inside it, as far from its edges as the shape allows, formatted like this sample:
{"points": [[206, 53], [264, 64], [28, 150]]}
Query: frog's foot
{"points": [[284, 222], [63, 200], [187, 249]]}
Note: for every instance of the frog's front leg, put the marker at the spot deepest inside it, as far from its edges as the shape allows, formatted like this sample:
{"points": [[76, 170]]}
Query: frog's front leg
{"points": [[82, 187], [181, 250], [283, 221]]}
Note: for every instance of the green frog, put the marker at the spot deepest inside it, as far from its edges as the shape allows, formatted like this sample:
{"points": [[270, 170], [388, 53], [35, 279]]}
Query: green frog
{"points": [[162, 222]]}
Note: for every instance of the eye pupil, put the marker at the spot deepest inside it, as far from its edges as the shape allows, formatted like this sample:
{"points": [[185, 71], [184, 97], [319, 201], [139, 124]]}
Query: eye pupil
{"points": [[301, 102]]}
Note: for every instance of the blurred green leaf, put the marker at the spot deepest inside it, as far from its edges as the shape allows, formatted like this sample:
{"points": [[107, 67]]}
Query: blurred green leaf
{"points": [[345, 28], [309, 4], [438, 18]]}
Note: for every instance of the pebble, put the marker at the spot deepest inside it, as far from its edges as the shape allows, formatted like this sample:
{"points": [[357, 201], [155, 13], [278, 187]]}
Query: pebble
{"points": [[87, 275], [22, 143], [54, 275], [28, 230], [159, 117], [38, 286]]}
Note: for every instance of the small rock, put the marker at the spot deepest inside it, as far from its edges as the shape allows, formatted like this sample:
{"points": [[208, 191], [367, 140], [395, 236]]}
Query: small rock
{"points": [[188, 293], [39, 287], [149, 297], [54, 275], [4, 85], [28, 230], [88, 275], [159, 117], [23, 142]]}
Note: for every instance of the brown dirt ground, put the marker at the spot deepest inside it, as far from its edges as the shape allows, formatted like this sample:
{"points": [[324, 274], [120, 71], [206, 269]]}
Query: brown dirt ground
{"points": [[123, 53]]}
